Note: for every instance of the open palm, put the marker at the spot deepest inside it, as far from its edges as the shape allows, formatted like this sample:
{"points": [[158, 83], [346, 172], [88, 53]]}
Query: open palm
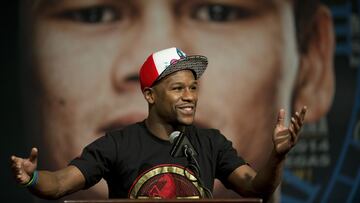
{"points": [[285, 138], [23, 169]]}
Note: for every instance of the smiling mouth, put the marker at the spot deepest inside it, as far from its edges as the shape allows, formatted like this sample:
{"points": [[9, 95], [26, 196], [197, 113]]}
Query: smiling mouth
{"points": [[187, 109]]}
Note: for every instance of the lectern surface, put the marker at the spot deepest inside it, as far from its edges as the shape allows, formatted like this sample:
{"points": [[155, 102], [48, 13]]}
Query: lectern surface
{"points": [[244, 200]]}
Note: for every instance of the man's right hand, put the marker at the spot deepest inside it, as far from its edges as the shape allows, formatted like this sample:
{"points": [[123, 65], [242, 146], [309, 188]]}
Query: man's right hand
{"points": [[49, 184], [23, 169]]}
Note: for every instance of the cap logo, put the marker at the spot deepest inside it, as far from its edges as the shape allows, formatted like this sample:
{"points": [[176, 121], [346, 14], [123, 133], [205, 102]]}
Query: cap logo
{"points": [[173, 61], [180, 53]]}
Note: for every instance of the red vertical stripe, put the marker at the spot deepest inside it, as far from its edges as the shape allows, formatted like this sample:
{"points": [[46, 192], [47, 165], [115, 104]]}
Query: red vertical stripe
{"points": [[148, 73]]}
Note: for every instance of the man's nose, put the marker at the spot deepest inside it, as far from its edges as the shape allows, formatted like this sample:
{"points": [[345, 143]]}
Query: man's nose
{"points": [[125, 77], [189, 95], [154, 28]]}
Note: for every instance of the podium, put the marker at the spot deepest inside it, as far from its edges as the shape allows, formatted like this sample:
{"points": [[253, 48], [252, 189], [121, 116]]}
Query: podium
{"points": [[243, 200]]}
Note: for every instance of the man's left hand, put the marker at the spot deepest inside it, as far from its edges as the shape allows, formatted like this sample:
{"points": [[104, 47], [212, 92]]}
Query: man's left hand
{"points": [[285, 138]]}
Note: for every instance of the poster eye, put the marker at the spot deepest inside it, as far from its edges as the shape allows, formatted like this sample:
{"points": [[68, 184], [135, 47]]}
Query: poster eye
{"points": [[93, 15]]}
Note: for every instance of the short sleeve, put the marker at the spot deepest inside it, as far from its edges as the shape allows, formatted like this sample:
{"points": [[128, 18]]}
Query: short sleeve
{"points": [[227, 159], [96, 159]]}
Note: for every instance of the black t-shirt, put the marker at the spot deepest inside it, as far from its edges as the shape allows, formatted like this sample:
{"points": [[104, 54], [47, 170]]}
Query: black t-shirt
{"points": [[137, 164]]}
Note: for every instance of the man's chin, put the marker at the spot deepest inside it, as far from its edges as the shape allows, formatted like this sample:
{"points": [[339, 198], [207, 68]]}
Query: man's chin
{"points": [[188, 121]]}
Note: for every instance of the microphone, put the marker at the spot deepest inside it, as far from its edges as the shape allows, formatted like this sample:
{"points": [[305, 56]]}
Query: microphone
{"points": [[181, 145], [173, 136]]}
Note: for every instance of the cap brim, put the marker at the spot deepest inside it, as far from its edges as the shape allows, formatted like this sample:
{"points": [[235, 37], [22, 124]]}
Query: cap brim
{"points": [[195, 63]]}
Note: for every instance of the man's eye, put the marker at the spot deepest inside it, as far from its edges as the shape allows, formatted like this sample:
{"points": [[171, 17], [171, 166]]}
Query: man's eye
{"points": [[177, 88], [218, 13], [193, 88], [96, 14]]}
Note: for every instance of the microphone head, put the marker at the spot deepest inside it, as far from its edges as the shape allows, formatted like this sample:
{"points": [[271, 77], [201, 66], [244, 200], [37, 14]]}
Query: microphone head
{"points": [[173, 136]]}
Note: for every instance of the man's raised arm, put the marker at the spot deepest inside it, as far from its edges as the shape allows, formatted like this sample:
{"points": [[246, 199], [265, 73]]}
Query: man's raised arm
{"points": [[46, 184], [247, 182]]}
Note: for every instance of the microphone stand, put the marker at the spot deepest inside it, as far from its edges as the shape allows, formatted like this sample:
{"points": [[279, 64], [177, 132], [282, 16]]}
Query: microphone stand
{"points": [[194, 166], [183, 147]]}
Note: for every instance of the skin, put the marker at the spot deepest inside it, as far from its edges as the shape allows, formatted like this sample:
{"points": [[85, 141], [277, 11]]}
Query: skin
{"points": [[172, 105], [82, 81]]}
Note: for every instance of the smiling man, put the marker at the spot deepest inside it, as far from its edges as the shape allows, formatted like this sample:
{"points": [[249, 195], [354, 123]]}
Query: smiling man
{"points": [[81, 59], [136, 161]]}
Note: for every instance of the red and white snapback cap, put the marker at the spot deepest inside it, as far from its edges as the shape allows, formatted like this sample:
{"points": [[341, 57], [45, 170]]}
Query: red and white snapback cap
{"points": [[165, 62]]}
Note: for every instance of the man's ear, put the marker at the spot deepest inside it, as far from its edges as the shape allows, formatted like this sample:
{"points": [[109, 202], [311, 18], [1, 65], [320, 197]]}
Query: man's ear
{"points": [[149, 95], [315, 83]]}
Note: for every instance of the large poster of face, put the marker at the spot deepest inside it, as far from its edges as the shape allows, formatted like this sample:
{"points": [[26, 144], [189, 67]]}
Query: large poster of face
{"points": [[79, 63]]}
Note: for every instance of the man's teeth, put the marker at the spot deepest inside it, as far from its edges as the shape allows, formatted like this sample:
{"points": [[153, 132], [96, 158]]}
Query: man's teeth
{"points": [[187, 108]]}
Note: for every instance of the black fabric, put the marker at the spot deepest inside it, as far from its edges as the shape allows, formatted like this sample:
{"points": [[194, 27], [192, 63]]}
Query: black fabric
{"points": [[121, 156]]}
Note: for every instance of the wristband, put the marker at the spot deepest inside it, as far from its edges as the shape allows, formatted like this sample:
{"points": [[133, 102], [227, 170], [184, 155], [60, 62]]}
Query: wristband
{"points": [[33, 180]]}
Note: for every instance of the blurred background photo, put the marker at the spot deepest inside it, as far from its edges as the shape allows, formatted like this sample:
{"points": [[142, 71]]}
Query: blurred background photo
{"points": [[70, 73]]}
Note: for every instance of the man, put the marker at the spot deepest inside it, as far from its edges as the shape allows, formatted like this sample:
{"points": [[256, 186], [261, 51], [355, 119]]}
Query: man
{"points": [[80, 77], [136, 162]]}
